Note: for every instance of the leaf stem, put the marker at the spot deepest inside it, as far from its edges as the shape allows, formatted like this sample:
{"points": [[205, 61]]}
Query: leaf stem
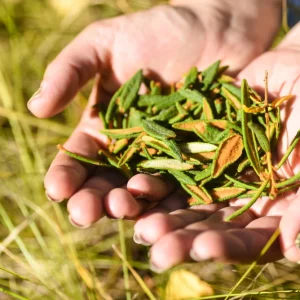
{"points": [[250, 203], [83, 158]]}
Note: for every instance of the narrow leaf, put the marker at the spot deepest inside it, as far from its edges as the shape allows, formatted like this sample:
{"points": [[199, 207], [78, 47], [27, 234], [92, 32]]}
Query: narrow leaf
{"points": [[279, 101], [157, 131], [231, 98], [200, 175], [226, 193], [151, 100], [207, 110], [112, 105], [228, 152], [289, 150], [165, 114], [250, 203], [200, 125], [234, 90], [166, 164], [122, 133], [193, 95], [241, 184], [82, 158], [191, 77], [174, 148], [198, 193], [209, 75], [197, 147], [247, 135], [130, 91], [182, 177], [119, 145]]}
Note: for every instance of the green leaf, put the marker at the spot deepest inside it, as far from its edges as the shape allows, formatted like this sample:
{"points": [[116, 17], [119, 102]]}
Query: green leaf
{"points": [[197, 147], [165, 164], [209, 75], [248, 141], [157, 131], [182, 177], [193, 95], [130, 91], [260, 134], [191, 77], [122, 133]]}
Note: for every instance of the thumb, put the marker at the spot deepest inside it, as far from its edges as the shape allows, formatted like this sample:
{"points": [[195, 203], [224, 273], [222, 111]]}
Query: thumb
{"points": [[71, 69]]}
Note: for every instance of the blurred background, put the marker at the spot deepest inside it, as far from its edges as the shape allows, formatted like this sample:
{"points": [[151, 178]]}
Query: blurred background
{"points": [[41, 255]]}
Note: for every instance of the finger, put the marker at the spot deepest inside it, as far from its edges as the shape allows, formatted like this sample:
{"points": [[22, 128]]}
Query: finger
{"points": [[152, 188], [174, 247], [66, 175], [290, 231], [238, 245], [129, 207], [141, 190], [71, 69], [164, 222], [86, 206]]}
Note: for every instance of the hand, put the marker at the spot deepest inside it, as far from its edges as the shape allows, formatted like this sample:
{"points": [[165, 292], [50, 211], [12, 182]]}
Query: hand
{"points": [[165, 41], [177, 234]]}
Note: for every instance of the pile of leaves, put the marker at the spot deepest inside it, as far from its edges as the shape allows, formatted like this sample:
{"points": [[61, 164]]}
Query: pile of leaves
{"points": [[204, 132]]}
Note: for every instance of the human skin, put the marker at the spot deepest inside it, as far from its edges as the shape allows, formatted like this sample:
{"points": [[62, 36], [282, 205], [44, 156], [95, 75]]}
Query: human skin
{"points": [[173, 39], [200, 233]]}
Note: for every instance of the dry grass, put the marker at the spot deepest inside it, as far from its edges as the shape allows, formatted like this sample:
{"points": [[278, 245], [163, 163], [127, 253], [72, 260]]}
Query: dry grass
{"points": [[42, 255]]}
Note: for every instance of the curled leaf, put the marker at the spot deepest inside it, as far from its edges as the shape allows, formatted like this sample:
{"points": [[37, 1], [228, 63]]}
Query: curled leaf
{"points": [[200, 125], [226, 193], [231, 98], [122, 133], [82, 158], [228, 152], [165, 164], [198, 192], [197, 147]]}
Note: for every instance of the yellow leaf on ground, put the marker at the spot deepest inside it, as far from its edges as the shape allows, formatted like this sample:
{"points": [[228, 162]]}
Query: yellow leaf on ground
{"points": [[64, 7], [183, 284]]}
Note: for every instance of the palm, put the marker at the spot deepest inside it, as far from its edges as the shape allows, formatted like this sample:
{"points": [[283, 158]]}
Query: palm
{"points": [[200, 232], [165, 42]]}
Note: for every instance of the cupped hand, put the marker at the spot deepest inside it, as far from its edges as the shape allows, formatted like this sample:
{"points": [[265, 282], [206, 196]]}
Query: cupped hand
{"points": [[177, 234], [165, 41]]}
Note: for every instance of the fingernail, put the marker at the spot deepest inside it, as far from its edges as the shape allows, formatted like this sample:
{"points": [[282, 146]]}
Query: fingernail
{"points": [[78, 225], [141, 197], [139, 240], [34, 96], [156, 269], [297, 241], [195, 256], [115, 218], [51, 199]]}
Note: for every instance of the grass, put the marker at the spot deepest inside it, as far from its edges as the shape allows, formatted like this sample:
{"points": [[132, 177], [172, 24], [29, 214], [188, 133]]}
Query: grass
{"points": [[42, 255]]}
